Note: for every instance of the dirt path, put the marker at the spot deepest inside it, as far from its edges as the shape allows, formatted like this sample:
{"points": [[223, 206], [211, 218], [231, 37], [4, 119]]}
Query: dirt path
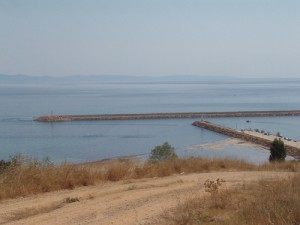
{"points": [[127, 202]]}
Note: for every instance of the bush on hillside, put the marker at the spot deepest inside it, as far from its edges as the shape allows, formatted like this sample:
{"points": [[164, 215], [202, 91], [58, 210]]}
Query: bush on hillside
{"points": [[4, 165], [278, 152], [162, 152]]}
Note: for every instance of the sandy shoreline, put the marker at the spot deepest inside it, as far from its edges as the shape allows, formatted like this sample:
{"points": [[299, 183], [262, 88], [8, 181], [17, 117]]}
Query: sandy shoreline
{"points": [[222, 144], [213, 146]]}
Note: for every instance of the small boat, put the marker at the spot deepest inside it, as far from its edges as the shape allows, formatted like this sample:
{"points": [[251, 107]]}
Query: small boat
{"points": [[248, 121]]}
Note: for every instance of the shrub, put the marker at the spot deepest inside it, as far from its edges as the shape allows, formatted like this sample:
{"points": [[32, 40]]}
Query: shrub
{"points": [[277, 149], [4, 165], [162, 152]]}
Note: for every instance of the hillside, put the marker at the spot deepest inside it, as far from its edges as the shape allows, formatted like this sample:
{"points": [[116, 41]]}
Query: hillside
{"points": [[141, 201]]}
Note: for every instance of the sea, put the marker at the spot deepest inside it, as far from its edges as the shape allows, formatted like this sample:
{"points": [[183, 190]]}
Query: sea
{"points": [[86, 141]]}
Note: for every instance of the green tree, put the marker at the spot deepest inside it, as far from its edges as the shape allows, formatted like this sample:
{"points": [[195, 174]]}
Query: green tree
{"points": [[278, 152], [162, 152]]}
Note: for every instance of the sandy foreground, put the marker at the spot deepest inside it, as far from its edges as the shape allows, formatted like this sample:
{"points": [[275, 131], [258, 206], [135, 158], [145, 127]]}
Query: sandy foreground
{"points": [[135, 202]]}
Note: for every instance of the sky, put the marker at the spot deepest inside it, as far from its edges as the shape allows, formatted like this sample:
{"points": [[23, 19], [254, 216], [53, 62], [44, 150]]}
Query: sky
{"points": [[150, 37]]}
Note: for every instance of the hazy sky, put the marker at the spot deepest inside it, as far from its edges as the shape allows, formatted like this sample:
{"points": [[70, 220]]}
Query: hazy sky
{"points": [[150, 37]]}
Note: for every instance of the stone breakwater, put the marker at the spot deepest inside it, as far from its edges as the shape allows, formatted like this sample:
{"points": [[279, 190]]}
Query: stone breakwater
{"points": [[62, 118], [291, 150]]}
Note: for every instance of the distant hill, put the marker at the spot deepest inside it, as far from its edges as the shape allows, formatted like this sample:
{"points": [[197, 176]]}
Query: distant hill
{"points": [[27, 79], [21, 79], [94, 79]]}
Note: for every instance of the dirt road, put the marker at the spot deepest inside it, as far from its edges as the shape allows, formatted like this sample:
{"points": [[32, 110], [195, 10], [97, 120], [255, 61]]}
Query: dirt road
{"points": [[126, 202]]}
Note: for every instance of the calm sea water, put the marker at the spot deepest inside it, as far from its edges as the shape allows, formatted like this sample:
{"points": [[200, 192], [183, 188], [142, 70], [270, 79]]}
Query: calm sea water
{"points": [[95, 140]]}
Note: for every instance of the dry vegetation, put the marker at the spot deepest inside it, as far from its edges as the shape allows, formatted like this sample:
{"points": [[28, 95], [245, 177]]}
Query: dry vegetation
{"points": [[264, 203], [25, 177]]}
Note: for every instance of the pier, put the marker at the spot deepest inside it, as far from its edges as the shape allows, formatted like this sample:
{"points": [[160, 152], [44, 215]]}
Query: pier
{"points": [[63, 118], [291, 150]]}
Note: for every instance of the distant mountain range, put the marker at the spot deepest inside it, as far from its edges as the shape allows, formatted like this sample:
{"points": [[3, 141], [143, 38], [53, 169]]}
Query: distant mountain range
{"points": [[92, 79], [43, 79], [27, 79]]}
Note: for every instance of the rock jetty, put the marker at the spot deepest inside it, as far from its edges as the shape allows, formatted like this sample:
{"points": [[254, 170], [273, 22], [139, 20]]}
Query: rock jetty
{"points": [[291, 150], [62, 118]]}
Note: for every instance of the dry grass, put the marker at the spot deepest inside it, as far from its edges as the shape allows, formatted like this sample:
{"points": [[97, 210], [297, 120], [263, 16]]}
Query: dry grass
{"points": [[25, 177], [276, 202], [264, 203], [190, 165], [32, 177], [292, 166]]}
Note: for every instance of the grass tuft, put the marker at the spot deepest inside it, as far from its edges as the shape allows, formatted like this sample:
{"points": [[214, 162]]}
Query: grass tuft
{"points": [[71, 200]]}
